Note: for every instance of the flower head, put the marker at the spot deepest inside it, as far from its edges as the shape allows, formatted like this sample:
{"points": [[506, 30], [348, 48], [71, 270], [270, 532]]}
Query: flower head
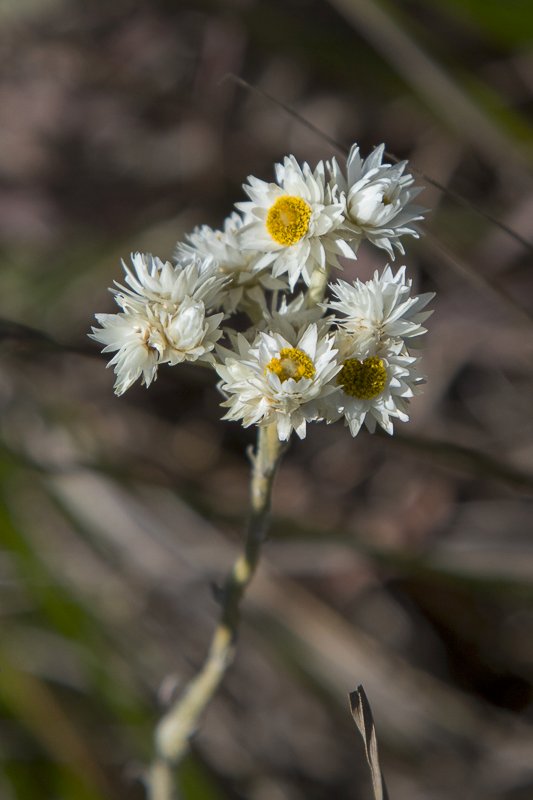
{"points": [[377, 200], [372, 389], [246, 279], [292, 222], [278, 380], [380, 310], [164, 318]]}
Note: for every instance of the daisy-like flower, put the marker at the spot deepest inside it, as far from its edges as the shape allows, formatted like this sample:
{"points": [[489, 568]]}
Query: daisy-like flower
{"points": [[372, 390], [378, 200], [246, 282], [293, 222], [380, 310], [278, 380], [164, 319]]}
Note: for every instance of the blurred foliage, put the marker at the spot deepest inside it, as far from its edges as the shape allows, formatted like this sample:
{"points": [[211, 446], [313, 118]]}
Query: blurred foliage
{"points": [[509, 26], [405, 564]]}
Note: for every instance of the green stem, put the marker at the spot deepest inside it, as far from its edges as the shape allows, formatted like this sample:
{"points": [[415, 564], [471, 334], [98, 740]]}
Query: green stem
{"points": [[180, 722]]}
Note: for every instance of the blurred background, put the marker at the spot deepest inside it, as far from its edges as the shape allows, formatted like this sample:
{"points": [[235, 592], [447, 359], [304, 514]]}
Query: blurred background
{"points": [[402, 563]]}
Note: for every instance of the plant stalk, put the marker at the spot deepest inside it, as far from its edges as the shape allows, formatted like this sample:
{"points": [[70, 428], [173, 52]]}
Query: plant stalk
{"points": [[175, 729]]}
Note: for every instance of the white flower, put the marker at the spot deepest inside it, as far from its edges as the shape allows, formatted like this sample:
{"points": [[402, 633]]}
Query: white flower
{"points": [[278, 380], [167, 285], [138, 344], [246, 281], [380, 310], [164, 318], [293, 222], [374, 389], [378, 200]]}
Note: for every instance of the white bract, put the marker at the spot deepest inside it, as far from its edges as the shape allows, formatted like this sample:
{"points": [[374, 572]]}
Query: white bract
{"points": [[378, 199], [293, 222], [380, 310], [286, 316], [167, 285], [164, 318], [137, 341], [278, 380]]}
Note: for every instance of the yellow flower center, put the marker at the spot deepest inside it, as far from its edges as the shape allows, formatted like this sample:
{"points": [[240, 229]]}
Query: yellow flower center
{"points": [[288, 219], [363, 379], [292, 363]]}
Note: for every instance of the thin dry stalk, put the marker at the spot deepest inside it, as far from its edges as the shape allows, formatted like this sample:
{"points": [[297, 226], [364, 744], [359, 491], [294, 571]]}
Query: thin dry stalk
{"points": [[175, 729]]}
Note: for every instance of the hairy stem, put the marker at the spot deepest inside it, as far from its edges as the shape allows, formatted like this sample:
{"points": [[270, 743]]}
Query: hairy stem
{"points": [[180, 722]]}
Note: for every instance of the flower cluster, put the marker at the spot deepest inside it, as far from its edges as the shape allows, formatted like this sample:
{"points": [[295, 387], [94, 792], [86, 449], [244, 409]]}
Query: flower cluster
{"points": [[313, 350]]}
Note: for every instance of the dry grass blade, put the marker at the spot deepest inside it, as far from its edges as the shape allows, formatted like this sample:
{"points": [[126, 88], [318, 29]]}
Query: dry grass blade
{"points": [[362, 714], [466, 460], [475, 278], [288, 110], [343, 149], [433, 83], [458, 198], [19, 338]]}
